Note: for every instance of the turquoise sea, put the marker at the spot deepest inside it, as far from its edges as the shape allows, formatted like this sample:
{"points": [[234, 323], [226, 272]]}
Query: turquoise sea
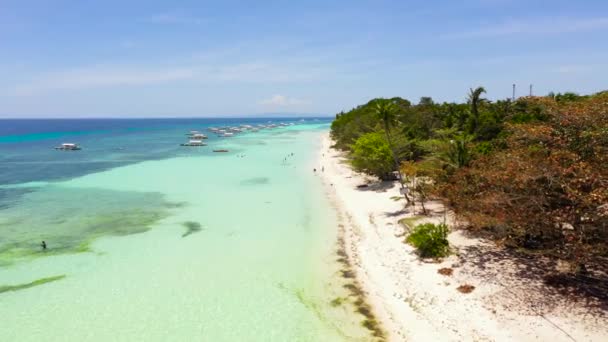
{"points": [[151, 241]]}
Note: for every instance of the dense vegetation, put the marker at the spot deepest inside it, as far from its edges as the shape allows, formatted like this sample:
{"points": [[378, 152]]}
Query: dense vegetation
{"points": [[530, 173]]}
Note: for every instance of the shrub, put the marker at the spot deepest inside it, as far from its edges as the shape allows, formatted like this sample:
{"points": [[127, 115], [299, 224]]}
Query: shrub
{"points": [[431, 240]]}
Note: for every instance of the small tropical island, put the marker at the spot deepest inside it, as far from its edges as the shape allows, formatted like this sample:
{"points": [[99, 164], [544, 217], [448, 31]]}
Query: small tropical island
{"points": [[481, 220]]}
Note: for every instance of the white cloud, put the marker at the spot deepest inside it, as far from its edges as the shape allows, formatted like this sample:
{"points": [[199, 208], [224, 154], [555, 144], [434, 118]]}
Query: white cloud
{"points": [[94, 77], [281, 101], [108, 76], [541, 26]]}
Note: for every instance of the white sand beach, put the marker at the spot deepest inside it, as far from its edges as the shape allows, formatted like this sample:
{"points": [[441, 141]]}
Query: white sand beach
{"points": [[413, 302]]}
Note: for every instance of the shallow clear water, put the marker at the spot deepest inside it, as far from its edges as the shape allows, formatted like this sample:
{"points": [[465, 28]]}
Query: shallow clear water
{"points": [[162, 242]]}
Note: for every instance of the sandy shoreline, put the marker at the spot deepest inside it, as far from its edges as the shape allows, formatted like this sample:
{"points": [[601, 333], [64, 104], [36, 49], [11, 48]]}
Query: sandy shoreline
{"points": [[413, 302]]}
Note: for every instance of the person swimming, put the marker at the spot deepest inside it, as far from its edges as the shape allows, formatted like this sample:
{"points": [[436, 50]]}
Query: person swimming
{"points": [[43, 245]]}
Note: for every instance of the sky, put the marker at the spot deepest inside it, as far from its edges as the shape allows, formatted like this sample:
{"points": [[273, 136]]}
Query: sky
{"points": [[229, 58]]}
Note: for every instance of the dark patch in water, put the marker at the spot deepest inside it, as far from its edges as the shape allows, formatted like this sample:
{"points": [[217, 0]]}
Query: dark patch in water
{"points": [[70, 219], [313, 307], [9, 196], [256, 181], [38, 282], [192, 227]]}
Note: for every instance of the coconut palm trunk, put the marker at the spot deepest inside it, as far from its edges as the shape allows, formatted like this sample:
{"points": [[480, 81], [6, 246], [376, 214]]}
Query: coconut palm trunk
{"points": [[386, 112]]}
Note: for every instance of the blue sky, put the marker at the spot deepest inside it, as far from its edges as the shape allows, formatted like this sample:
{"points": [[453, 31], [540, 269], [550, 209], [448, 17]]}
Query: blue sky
{"points": [[215, 58]]}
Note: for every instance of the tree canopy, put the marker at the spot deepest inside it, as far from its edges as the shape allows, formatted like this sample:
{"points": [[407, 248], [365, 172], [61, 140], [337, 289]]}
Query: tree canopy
{"points": [[531, 173], [371, 154]]}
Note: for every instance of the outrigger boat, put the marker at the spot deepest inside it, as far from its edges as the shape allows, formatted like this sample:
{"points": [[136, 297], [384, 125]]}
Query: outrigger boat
{"points": [[198, 136], [68, 147], [194, 143]]}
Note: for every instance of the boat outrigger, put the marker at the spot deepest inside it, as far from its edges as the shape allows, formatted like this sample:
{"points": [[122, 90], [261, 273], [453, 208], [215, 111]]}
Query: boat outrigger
{"points": [[222, 150], [68, 147]]}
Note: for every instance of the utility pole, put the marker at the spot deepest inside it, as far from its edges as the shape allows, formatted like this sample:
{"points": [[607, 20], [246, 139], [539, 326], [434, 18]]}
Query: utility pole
{"points": [[513, 97]]}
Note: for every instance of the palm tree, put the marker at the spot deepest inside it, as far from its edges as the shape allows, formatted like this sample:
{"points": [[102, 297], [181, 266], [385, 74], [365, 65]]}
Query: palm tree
{"points": [[458, 153], [475, 100], [386, 111]]}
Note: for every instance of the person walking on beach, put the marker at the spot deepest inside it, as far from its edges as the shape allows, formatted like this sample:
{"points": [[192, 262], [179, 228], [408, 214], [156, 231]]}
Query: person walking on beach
{"points": [[43, 245]]}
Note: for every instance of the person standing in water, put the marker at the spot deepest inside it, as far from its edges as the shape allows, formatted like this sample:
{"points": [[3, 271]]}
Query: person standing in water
{"points": [[43, 245]]}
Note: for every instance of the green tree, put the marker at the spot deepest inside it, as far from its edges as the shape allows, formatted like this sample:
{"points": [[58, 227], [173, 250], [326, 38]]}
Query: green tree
{"points": [[475, 100], [568, 97], [386, 111], [458, 153], [371, 154], [426, 101]]}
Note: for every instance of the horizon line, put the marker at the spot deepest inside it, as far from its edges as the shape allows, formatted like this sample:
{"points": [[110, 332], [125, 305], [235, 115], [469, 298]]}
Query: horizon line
{"points": [[266, 116]]}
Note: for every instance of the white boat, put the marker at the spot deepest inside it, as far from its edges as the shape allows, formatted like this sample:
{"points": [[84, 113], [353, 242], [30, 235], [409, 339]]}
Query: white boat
{"points": [[227, 134], [68, 147], [194, 142], [198, 136]]}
